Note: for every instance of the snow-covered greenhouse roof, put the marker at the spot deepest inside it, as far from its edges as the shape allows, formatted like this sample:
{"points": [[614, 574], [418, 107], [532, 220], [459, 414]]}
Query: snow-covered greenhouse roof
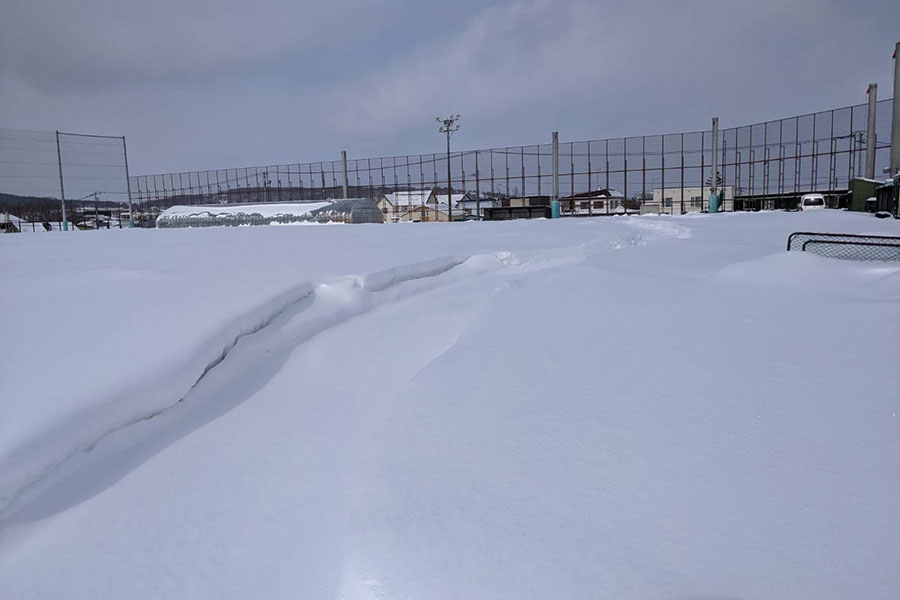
{"points": [[351, 210]]}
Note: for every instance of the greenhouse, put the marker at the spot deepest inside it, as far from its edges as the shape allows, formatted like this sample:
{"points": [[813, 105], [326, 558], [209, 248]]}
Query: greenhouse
{"points": [[351, 210]]}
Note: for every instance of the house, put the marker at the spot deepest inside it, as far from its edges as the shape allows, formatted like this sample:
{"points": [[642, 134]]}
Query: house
{"points": [[394, 205], [468, 205], [429, 206], [596, 202], [676, 201], [426, 213], [463, 204]]}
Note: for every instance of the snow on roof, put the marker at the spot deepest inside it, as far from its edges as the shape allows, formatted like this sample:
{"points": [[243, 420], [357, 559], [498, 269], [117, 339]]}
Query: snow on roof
{"points": [[461, 198], [409, 198], [470, 201], [225, 211], [348, 210]]}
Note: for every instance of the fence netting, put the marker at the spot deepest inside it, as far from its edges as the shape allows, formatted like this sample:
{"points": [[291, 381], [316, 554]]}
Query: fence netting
{"points": [[761, 166], [846, 246], [40, 169]]}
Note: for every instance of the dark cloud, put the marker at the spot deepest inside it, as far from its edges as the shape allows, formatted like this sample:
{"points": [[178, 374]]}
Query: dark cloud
{"points": [[216, 84]]}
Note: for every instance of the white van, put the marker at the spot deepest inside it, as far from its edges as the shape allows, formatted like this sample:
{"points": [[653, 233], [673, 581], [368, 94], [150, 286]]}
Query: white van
{"points": [[812, 202]]}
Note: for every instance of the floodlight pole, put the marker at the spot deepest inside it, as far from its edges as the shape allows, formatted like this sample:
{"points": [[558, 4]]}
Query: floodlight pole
{"points": [[448, 126], [714, 178], [895, 116], [62, 189]]}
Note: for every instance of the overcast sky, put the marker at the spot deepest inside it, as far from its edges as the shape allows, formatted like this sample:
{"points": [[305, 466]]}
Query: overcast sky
{"points": [[226, 83]]}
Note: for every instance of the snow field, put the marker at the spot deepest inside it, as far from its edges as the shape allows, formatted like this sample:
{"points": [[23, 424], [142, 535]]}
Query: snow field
{"points": [[633, 407]]}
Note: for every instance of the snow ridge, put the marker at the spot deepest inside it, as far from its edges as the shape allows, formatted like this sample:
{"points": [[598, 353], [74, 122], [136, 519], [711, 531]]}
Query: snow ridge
{"points": [[27, 474], [300, 312]]}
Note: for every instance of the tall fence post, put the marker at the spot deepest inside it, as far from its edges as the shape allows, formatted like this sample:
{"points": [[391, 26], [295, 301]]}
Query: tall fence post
{"points": [[449, 183], [477, 190], [895, 116], [714, 174], [554, 204], [871, 141], [344, 170], [128, 185], [62, 188]]}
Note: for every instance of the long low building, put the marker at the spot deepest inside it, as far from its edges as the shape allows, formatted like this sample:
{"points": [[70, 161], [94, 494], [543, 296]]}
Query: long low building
{"points": [[350, 210]]}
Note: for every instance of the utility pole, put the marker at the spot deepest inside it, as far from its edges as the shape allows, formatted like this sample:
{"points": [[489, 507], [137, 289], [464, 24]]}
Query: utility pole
{"points": [[344, 168], [895, 116], [714, 179], [128, 184], [554, 202], [449, 125], [870, 131], [477, 190], [62, 189]]}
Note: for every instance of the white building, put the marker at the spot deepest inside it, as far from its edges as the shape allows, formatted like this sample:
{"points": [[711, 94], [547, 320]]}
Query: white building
{"points": [[428, 205], [595, 202], [678, 200], [394, 205], [426, 213], [468, 205]]}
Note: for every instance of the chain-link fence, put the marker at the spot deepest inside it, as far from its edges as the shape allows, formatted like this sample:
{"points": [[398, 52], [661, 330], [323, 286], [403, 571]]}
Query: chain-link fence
{"points": [[52, 181], [762, 166], [846, 246]]}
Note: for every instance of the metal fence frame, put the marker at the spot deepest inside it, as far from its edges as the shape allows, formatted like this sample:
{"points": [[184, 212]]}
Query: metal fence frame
{"points": [[764, 164], [68, 179], [848, 246]]}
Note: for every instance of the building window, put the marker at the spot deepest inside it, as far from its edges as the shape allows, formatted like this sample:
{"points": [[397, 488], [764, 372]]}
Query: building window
{"points": [[696, 201], [668, 201], [598, 204], [585, 205]]}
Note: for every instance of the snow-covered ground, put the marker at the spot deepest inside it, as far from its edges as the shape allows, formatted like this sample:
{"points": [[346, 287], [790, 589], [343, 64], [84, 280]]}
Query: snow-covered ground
{"points": [[628, 407]]}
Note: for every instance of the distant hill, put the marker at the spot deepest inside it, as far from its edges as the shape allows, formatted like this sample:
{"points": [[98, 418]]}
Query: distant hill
{"points": [[16, 200], [10, 201]]}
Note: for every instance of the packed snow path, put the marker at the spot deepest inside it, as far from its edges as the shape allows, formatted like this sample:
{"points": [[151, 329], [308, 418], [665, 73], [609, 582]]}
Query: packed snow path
{"points": [[627, 407]]}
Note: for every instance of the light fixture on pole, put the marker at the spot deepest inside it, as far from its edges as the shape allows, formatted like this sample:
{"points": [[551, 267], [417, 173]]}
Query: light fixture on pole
{"points": [[448, 126]]}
